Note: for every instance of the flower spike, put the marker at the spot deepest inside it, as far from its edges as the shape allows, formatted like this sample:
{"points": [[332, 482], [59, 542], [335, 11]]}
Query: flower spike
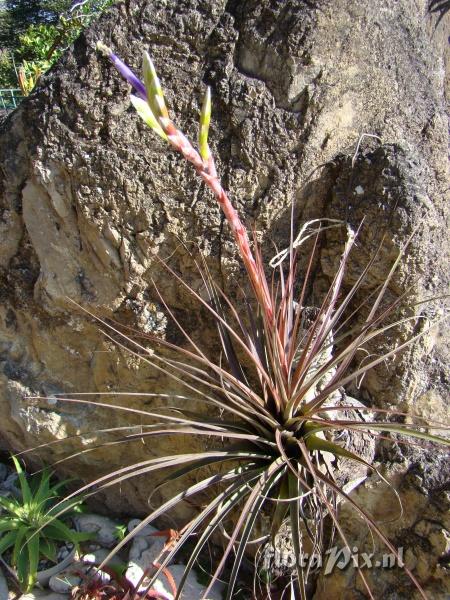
{"points": [[205, 118], [152, 109]]}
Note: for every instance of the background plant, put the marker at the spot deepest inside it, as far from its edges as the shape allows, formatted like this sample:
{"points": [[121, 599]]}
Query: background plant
{"points": [[29, 530], [17, 15], [34, 54], [275, 437], [42, 32], [8, 76]]}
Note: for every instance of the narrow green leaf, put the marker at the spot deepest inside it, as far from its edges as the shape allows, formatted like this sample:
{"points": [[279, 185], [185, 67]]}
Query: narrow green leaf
{"points": [[205, 118], [8, 524], [48, 549], [7, 540], [10, 505], [403, 430], [22, 570], [24, 487], [18, 549], [66, 507], [82, 536], [43, 492], [57, 530], [154, 90], [313, 442], [33, 558]]}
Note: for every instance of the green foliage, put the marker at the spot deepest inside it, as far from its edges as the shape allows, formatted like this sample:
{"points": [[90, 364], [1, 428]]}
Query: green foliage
{"points": [[37, 33], [120, 532], [17, 15], [71, 24], [37, 52], [36, 42], [8, 78], [29, 529]]}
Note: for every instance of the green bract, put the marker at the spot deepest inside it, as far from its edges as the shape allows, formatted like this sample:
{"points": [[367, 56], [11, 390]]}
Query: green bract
{"points": [[205, 118], [28, 528]]}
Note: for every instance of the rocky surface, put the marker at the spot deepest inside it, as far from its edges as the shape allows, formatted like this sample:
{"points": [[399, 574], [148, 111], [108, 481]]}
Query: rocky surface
{"points": [[135, 561], [144, 550], [417, 523], [63, 582], [193, 589], [89, 198], [103, 528]]}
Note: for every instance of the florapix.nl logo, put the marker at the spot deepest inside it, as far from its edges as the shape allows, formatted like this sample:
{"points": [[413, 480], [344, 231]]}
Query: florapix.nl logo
{"points": [[339, 558]]}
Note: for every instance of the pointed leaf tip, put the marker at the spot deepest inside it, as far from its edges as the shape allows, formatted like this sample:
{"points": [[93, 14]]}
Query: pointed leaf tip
{"points": [[205, 119], [206, 108], [153, 86]]}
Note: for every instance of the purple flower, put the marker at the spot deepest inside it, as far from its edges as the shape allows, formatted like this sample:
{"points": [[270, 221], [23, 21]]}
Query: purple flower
{"points": [[124, 70]]}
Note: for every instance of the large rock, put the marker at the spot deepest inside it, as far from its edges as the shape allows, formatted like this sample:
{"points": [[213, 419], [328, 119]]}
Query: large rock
{"points": [[91, 199], [417, 522]]}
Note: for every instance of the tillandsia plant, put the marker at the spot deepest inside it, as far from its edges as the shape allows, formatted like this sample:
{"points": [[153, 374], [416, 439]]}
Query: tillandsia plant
{"points": [[275, 386], [29, 528]]}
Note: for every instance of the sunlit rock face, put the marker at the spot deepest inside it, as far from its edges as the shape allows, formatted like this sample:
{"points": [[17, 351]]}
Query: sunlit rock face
{"points": [[91, 201]]}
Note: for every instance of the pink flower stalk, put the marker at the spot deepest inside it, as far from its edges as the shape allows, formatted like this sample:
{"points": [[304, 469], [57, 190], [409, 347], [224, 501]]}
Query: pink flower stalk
{"points": [[207, 172], [153, 111], [254, 270]]}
